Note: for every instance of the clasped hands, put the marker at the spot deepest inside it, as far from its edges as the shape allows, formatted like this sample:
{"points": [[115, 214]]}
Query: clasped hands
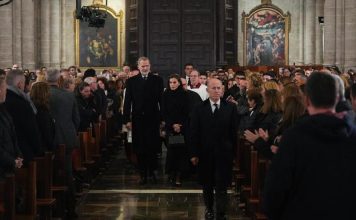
{"points": [[252, 137]]}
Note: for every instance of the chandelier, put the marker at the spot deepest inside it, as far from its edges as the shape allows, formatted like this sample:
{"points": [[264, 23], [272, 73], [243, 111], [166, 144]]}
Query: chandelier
{"points": [[5, 2]]}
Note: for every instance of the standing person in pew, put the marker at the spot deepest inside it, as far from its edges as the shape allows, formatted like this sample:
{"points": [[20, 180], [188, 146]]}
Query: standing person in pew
{"points": [[142, 114], [213, 137], [40, 96], [23, 113], [86, 106], [64, 109], [10, 154], [313, 174]]}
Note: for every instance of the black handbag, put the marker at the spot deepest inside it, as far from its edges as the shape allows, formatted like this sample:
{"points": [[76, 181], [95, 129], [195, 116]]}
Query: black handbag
{"points": [[176, 139]]}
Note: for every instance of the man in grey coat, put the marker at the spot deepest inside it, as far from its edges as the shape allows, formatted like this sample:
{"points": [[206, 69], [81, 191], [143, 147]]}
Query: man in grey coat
{"points": [[64, 110]]}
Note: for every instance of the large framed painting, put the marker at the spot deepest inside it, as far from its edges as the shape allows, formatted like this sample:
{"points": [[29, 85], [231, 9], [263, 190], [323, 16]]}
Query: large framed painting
{"points": [[100, 48], [266, 36]]}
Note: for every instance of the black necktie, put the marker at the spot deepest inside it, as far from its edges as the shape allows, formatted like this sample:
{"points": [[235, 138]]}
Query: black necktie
{"points": [[144, 77], [216, 109]]}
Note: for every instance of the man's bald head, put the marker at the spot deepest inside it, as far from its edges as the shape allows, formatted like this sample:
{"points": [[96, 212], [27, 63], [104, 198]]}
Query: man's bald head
{"points": [[215, 89]]}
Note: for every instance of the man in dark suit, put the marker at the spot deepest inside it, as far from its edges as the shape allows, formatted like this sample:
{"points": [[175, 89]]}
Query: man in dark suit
{"points": [[313, 174], [23, 113], [64, 110], [213, 137], [10, 155], [142, 115]]}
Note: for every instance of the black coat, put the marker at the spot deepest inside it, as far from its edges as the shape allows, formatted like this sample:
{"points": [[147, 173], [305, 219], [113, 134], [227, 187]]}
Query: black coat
{"points": [[313, 175], [267, 121], [142, 107], [47, 128], [9, 149], [212, 141], [87, 112], [28, 134], [175, 109], [101, 102]]}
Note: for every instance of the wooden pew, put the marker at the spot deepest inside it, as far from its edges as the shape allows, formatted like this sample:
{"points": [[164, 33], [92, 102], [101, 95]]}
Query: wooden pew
{"points": [[25, 183], [7, 198], [85, 143], [45, 200], [59, 187]]}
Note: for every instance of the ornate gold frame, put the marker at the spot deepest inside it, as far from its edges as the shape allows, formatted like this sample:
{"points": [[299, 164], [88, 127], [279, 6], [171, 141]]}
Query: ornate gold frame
{"points": [[271, 7], [119, 17]]}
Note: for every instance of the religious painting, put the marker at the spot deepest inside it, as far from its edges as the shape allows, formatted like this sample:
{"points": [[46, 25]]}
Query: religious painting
{"points": [[99, 48], [266, 32]]}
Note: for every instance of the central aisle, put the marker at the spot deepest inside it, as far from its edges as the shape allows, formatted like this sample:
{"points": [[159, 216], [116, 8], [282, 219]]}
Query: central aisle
{"points": [[116, 195]]}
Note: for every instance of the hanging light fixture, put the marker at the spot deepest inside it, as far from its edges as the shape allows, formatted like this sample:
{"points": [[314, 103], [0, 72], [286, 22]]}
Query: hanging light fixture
{"points": [[5, 2]]}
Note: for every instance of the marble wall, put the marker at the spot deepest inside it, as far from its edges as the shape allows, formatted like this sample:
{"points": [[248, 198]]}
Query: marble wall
{"points": [[305, 36], [38, 33]]}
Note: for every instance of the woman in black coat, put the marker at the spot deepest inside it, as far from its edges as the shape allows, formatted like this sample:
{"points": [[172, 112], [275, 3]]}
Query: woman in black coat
{"points": [[87, 111], [175, 111], [40, 97]]}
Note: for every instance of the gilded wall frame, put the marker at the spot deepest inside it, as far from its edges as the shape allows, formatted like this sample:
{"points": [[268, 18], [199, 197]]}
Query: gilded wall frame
{"points": [[100, 48], [266, 36]]}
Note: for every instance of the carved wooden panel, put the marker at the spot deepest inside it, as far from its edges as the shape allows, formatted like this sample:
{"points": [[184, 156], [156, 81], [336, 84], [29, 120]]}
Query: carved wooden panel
{"points": [[132, 42], [174, 32], [164, 33], [230, 32], [198, 29]]}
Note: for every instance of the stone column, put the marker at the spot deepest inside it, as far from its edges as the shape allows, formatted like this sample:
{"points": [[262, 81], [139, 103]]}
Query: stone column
{"points": [[28, 35], [350, 34], [17, 32], [330, 32], [45, 33], [319, 12], [309, 33], [301, 32], [6, 36], [340, 33], [68, 33], [55, 33]]}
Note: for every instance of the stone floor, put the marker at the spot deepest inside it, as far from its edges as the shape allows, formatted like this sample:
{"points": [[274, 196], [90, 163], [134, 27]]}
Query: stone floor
{"points": [[115, 195]]}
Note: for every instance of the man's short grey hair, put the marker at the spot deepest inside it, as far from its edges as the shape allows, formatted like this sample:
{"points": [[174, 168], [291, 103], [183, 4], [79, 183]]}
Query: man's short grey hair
{"points": [[340, 87], [14, 76], [142, 59], [52, 75], [90, 80]]}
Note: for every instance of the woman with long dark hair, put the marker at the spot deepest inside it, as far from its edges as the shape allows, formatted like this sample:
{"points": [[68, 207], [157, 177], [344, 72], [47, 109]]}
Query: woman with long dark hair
{"points": [[40, 97], [87, 111], [175, 114]]}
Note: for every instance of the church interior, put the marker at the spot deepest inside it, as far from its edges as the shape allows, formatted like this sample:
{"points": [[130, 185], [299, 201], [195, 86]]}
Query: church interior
{"points": [[102, 109]]}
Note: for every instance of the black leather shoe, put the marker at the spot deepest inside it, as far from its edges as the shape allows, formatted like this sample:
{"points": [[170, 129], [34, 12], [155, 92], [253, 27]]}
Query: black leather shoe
{"points": [[209, 214], [153, 179], [72, 215], [221, 217], [143, 181]]}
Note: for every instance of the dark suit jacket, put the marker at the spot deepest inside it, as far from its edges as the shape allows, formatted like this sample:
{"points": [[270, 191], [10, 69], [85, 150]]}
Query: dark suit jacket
{"points": [[9, 149], [64, 110], [28, 135], [212, 141], [142, 107]]}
